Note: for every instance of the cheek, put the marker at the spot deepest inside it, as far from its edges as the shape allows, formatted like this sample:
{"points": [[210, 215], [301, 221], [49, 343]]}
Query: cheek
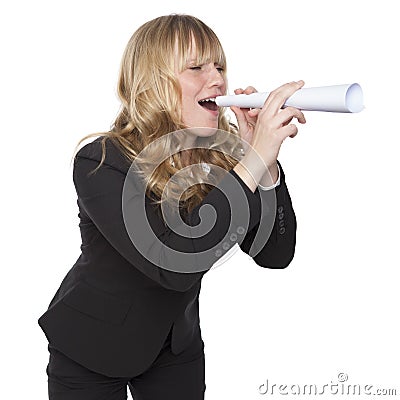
{"points": [[224, 86], [187, 92]]}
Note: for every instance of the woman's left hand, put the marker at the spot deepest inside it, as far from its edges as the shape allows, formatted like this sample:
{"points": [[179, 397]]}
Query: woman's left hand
{"points": [[246, 118]]}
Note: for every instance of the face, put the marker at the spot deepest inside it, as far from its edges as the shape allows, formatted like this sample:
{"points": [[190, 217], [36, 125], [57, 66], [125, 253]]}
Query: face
{"points": [[200, 85]]}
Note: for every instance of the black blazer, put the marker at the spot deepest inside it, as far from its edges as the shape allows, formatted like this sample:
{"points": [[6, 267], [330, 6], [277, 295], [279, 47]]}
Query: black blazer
{"points": [[115, 308]]}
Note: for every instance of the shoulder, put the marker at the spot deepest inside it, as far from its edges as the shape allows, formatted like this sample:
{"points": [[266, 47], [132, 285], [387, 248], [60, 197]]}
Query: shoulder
{"points": [[113, 155]]}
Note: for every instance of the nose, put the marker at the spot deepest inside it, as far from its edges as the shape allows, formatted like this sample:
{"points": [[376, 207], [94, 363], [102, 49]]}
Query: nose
{"points": [[215, 76]]}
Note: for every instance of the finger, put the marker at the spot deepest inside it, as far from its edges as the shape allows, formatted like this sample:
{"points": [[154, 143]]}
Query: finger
{"points": [[287, 114], [250, 89], [238, 91], [287, 122], [238, 112], [252, 116], [286, 131], [277, 97], [253, 112], [240, 116]]}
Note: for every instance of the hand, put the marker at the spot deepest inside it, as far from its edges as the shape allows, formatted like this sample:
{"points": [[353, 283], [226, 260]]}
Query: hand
{"points": [[273, 125], [246, 121]]}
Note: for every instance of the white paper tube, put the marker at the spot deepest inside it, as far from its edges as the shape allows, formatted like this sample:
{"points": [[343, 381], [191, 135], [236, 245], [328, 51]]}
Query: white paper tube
{"points": [[346, 98]]}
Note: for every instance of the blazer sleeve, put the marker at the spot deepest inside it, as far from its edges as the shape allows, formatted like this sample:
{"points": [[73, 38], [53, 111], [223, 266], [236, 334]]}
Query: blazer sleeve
{"points": [[279, 250], [236, 210]]}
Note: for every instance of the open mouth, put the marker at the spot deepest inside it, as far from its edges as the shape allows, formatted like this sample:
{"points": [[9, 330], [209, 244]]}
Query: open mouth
{"points": [[209, 104]]}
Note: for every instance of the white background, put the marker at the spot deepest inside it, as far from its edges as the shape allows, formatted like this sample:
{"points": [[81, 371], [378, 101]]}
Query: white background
{"points": [[335, 308]]}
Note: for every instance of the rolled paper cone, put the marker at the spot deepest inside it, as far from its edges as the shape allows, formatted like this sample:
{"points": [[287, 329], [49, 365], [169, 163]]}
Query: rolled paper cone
{"points": [[346, 98]]}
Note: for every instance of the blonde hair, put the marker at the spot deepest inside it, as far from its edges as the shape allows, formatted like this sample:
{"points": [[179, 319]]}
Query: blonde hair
{"points": [[150, 97]]}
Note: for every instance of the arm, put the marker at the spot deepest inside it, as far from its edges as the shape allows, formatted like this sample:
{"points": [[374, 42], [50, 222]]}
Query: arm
{"points": [[100, 198], [279, 250]]}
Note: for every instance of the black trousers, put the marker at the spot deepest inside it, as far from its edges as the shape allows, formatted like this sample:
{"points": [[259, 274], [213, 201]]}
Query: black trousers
{"points": [[170, 377]]}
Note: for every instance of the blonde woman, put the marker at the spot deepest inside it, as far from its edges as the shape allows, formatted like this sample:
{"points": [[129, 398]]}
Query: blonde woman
{"points": [[127, 312]]}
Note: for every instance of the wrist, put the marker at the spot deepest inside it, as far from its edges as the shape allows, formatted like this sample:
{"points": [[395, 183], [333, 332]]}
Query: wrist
{"points": [[251, 168], [271, 176]]}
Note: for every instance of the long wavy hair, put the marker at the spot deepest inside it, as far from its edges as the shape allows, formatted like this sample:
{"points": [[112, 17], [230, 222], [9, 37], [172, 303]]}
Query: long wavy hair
{"points": [[150, 97]]}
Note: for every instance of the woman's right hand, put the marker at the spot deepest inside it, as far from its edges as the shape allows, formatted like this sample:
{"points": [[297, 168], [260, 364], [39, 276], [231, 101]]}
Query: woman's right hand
{"points": [[273, 124]]}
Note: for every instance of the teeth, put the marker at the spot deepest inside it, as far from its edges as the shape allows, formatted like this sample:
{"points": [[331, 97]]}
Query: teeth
{"points": [[212, 100]]}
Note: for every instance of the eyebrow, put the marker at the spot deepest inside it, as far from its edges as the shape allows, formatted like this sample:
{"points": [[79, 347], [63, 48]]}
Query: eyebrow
{"points": [[195, 60]]}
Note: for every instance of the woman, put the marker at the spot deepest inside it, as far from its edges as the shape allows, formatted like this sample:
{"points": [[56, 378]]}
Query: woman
{"points": [[126, 314]]}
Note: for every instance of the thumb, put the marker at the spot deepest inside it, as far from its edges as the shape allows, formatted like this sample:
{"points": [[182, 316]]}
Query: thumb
{"points": [[241, 118]]}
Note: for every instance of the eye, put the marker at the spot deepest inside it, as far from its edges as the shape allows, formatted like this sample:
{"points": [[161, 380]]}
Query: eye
{"points": [[219, 68], [194, 68]]}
